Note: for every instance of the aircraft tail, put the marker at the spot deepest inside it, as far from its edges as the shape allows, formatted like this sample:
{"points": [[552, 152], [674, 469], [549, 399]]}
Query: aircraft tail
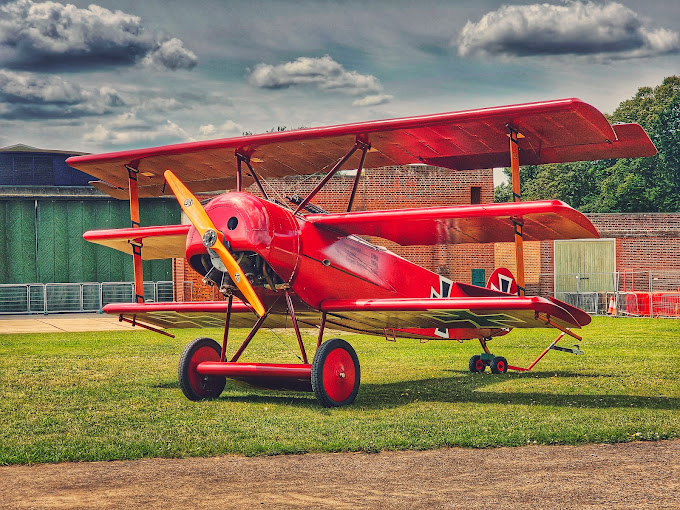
{"points": [[502, 280]]}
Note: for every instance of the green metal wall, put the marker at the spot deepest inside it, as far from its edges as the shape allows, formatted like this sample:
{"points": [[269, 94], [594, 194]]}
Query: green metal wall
{"points": [[43, 240]]}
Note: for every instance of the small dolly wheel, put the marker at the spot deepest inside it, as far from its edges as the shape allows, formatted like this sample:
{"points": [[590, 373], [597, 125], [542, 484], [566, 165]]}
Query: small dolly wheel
{"points": [[476, 364], [499, 365]]}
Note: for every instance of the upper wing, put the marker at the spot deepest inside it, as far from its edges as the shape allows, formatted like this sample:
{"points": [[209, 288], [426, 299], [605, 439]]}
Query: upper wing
{"points": [[553, 131], [542, 220], [159, 242]]}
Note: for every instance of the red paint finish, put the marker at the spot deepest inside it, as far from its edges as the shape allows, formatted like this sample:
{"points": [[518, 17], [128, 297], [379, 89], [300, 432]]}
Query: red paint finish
{"points": [[202, 355], [138, 232], [254, 370], [328, 270], [260, 226], [198, 306], [339, 375], [334, 266], [554, 131], [489, 223]]}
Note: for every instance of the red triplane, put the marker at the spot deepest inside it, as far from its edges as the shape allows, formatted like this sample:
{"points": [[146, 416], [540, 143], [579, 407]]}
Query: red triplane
{"points": [[290, 263]]}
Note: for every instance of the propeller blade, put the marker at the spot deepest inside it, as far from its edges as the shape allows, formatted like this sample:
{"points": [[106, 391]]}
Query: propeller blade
{"points": [[212, 240]]}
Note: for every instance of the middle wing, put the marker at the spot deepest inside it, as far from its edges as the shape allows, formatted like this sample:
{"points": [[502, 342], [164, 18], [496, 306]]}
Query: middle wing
{"points": [[542, 220], [159, 242]]}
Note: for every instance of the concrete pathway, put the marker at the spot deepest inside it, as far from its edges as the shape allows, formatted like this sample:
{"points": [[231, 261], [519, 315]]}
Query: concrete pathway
{"points": [[56, 323]]}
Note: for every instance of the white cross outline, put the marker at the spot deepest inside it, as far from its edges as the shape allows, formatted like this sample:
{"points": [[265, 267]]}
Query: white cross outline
{"points": [[504, 282], [445, 286]]}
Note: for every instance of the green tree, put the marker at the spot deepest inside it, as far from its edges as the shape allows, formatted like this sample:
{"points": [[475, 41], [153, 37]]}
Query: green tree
{"points": [[624, 185]]}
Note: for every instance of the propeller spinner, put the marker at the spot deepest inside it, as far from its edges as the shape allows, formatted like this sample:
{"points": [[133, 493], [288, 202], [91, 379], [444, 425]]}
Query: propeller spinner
{"points": [[222, 259]]}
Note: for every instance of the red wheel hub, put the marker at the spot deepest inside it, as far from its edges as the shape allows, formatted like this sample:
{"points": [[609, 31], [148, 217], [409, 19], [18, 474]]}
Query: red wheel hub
{"points": [[479, 364], [501, 366], [202, 354], [339, 375]]}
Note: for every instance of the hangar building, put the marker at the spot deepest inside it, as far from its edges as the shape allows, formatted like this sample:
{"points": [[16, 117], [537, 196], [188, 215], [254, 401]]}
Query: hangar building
{"points": [[45, 206]]}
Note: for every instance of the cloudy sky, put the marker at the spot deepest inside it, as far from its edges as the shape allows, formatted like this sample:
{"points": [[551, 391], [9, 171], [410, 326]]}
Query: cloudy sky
{"points": [[115, 75]]}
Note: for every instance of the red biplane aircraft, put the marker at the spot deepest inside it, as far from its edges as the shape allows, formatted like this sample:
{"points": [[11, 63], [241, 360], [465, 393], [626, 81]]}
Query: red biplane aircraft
{"points": [[289, 263]]}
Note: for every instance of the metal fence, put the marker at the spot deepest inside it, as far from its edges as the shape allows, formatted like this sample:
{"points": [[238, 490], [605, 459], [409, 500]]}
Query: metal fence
{"points": [[626, 292], [76, 297]]}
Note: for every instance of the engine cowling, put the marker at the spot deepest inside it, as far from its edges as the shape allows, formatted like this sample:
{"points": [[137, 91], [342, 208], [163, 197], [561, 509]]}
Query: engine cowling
{"points": [[263, 237]]}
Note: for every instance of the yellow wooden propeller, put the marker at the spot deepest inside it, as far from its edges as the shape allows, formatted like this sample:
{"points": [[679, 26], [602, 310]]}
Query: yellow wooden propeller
{"points": [[211, 240]]}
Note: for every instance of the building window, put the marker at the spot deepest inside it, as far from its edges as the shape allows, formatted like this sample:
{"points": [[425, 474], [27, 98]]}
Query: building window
{"points": [[479, 277], [475, 194]]}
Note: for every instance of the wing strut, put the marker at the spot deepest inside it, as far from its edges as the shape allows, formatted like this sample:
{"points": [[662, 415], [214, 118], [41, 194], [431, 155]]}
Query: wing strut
{"points": [[240, 157], [357, 145], [360, 168], [136, 243], [514, 135]]}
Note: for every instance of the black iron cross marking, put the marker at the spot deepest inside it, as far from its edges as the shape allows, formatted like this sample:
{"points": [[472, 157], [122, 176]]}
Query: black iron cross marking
{"points": [[445, 286], [493, 320]]}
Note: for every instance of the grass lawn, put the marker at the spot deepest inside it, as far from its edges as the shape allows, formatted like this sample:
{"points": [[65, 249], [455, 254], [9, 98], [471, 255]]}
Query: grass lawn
{"points": [[115, 395]]}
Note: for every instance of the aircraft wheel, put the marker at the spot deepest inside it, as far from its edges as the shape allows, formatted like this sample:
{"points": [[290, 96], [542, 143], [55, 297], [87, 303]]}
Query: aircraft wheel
{"points": [[194, 385], [476, 364], [499, 365], [335, 373]]}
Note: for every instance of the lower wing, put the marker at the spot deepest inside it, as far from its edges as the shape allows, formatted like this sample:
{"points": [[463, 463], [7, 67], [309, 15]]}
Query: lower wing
{"points": [[204, 314], [455, 318]]}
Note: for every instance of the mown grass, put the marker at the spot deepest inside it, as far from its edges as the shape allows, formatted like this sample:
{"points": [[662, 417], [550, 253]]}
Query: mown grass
{"points": [[114, 395]]}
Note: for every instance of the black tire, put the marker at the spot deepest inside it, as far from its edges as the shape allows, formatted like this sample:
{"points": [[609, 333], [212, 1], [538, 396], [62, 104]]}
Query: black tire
{"points": [[194, 385], [336, 374], [499, 365], [476, 364]]}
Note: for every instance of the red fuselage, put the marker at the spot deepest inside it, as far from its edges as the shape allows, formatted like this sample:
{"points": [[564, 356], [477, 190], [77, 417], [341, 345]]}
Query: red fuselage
{"points": [[315, 261]]}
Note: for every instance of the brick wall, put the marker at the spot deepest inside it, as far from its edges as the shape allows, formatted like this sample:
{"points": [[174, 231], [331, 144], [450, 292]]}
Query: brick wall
{"points": [[644, 242], [383, 188]]}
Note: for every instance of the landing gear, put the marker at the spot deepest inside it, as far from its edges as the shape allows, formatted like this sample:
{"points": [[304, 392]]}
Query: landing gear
{"points": [[479, 362], [335, 373], [194, 385]]}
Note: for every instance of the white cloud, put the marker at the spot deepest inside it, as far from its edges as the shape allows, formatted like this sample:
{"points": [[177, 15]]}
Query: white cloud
{"points": [[159, 104], [373, 100], [609, 30], [171, 55], [324, 73], [228, 129], [132, 131], [27, 95], [50, 35]]}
